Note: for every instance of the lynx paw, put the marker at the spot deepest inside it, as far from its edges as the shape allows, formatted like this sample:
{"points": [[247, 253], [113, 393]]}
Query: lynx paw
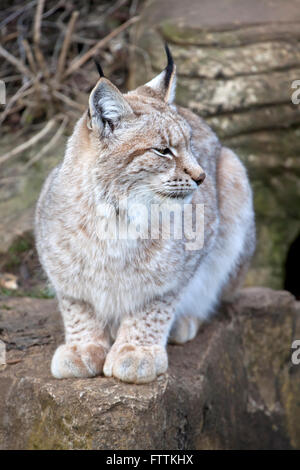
{"points": [[184, 329], [78, 360], [135, 364]]}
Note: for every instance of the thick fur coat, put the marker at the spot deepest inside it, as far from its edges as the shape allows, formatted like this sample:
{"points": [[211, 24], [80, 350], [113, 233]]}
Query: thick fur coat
{"points": [[122, 299]]}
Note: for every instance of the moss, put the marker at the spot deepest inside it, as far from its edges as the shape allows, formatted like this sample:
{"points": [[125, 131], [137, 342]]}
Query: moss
{"points": [[182, 94], [180, 34], [45, 293], [290, 385], [35, 293], [7, 292], [20, 245], [186, 35], [274, 348], [56, 431], [5, 307]]}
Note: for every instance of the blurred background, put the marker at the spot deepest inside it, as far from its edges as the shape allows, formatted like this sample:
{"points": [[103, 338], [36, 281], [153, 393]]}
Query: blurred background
{"points": [[236, 63]]}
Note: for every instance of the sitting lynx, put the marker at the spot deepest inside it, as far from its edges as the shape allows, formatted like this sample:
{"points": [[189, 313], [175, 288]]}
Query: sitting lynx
{"points": [[122, 299]]}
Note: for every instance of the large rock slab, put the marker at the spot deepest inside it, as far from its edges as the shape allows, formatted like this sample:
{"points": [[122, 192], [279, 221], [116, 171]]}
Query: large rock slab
{"points": [[233, 387], [236, 62]]}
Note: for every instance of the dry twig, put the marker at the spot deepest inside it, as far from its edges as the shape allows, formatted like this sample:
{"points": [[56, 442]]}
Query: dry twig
{"points": [[29, 55], [20, 93], [90, 53], [17, 63], [69, 101], [37, 36], [26, 145], [49, 145], [50, 88], [66, 45]]}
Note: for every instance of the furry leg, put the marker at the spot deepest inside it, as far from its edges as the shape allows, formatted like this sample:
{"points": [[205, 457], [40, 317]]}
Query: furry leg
{"points": [[139, 352], [86, 345], [184, 329]]}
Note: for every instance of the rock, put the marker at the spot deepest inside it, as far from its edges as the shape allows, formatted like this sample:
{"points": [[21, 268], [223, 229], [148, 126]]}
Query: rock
{"points": [[19, 189], [235, 68], [233, 387]]}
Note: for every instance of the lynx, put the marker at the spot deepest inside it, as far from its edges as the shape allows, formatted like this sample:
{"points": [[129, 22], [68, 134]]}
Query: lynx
{"points": [[122, 300]]}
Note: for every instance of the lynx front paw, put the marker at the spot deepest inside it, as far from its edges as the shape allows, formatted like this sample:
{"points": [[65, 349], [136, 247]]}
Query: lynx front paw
{"points": [[135, 364], [184, 329], [76, 360]]}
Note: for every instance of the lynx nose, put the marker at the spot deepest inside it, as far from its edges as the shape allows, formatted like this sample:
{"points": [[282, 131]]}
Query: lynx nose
{"points": [[200, 178]]}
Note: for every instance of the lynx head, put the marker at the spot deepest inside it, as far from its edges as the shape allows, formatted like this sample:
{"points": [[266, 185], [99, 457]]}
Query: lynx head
{"points": [[143, 144]]}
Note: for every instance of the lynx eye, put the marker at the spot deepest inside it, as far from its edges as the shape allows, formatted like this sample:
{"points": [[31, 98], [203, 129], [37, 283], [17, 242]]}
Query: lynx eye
{"points": [[166, 152]]}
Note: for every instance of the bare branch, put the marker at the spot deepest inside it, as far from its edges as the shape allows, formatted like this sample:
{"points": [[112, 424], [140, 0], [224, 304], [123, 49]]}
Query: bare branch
{"points": [[11, 78], [37, 22], [112, 9], [68, 101], [37, 36], [81, 60], [9, 37], [26, 145], [29, 55], [49, 145], [66, 45], [16, 62], [14, 98], [17, 13]]}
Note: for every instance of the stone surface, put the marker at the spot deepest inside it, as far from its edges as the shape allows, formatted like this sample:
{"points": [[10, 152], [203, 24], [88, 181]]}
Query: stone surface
{"points": [[233, 387], [236, 61]]}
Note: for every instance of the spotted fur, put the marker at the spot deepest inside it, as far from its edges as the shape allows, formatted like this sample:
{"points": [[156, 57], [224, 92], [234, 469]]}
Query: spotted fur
{"points": [[122, 299]]}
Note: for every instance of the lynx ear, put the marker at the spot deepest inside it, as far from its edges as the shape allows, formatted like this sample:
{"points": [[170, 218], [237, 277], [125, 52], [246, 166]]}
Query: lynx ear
{"points": [[107, 106], [165, 82]]}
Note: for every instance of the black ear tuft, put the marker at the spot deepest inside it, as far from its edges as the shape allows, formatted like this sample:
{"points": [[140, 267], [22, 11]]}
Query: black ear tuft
{"points": [[164, 84], [99, 68], [170, 67]]}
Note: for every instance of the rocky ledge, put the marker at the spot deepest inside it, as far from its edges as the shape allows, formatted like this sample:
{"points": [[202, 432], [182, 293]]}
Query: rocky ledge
{"points": [[233, 387]]}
